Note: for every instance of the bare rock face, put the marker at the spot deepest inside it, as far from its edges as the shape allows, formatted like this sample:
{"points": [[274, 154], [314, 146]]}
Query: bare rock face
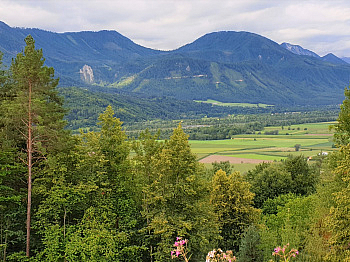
{"points": [[87, 74]]}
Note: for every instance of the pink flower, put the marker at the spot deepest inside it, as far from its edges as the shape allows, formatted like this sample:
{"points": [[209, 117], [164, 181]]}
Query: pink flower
{"points": [[178, 253], [176, 244]]}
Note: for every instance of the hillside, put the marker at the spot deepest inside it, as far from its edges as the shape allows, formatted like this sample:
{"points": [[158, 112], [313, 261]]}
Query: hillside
{"points": [[225, 66], [85, 106], [69, 52], [241, 66]]}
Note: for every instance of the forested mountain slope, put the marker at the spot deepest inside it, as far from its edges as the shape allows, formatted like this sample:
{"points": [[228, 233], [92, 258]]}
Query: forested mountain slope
{"points": [[226, 66]]}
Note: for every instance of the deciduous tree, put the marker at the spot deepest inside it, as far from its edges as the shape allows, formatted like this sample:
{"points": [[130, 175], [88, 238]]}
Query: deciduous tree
{"points": [[232, 202], [177, 199], [342, 128], [339, 219]]}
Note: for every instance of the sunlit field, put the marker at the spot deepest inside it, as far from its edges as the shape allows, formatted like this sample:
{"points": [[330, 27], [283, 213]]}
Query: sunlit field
{"points": [[242, 150]]}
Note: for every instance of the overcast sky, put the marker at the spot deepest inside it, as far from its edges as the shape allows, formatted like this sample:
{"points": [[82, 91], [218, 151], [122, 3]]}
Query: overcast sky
{"points": [[321, 26]]}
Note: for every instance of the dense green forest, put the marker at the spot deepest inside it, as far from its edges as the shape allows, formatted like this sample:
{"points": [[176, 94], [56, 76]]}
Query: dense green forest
{"points": [[84, 105], [214, 128], [100, 196], [202, 121]]}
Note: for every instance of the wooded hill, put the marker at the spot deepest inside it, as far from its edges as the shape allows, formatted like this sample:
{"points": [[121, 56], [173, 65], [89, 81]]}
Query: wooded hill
{"points": [[225, 66]]}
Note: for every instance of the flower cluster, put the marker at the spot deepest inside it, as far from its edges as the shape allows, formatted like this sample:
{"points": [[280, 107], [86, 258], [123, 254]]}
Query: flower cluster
{"points": [[281, 252], [219, 255], [180, 249]]}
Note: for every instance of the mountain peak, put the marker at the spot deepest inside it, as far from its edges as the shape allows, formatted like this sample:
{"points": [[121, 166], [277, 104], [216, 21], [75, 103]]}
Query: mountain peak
{"points": [[331, 58], [298, 50], [2, 24], [225, 40], [233, 46]]}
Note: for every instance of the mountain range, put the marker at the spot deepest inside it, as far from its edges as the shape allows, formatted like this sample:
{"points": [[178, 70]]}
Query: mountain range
{"points": [[297, 49], [226, 66]]}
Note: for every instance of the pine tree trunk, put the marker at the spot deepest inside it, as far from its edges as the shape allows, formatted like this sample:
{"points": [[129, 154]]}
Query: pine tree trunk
{"points": [[30, 152]]}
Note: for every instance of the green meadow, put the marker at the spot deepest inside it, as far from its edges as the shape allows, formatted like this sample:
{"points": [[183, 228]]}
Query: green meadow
{"points": [[218, 103], [313, 139]]}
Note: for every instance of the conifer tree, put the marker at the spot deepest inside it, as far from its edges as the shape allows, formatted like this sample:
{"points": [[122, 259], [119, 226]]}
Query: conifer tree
{"points": [[34, 115], [249, 249]]}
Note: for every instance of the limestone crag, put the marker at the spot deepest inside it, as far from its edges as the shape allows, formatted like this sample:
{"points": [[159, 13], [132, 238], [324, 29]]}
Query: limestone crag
{"points": [[87, 74]]}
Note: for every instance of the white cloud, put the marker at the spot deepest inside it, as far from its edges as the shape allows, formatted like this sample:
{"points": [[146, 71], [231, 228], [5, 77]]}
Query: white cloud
{"points": [[320, 25]]}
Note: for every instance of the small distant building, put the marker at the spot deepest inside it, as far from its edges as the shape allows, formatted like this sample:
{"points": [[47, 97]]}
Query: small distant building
{"points": [[323, 154]]}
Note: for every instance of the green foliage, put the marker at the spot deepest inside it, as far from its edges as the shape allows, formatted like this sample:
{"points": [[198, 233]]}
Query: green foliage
{"points": [[12, 208], [213, 128], [85, 106], [304, 176], [297, 147], [291, 224], [28, 69], [249, 248], [174, 196], [95, 238], [29, 73], [31, 126], [88, 211], [269, 181], [339, 219], [293, 175], [232, 203], [342, 128], [223, 165], [271, 205], [272, 132]]}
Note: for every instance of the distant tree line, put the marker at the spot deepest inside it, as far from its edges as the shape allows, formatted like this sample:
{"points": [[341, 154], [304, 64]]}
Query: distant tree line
{"points": [[225, 128]]}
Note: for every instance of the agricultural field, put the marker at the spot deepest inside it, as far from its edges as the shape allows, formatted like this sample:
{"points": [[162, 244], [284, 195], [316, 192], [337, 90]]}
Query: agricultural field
{"points": [[245, 151]]}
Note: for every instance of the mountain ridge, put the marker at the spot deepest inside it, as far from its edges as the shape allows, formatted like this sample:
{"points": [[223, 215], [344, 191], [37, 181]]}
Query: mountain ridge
{"points": [[226, 66], [297, 49]]}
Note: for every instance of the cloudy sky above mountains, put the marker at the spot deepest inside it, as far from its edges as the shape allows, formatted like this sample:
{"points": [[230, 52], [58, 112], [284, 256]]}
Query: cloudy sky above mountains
{"points": [[322, 26]]}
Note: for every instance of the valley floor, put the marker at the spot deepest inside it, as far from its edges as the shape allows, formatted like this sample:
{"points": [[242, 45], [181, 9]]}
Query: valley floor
{"points": [[232, 160]]}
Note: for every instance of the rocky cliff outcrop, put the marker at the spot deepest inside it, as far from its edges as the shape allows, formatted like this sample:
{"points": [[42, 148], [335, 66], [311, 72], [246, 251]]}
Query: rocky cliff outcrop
{"points": [[87, 74]]}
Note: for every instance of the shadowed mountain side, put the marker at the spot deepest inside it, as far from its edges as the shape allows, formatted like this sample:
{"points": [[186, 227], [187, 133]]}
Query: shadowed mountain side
{"points": [[225, 66]]}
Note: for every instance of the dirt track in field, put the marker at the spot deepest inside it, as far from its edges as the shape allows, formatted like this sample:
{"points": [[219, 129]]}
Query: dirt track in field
{"points": [[232, 160]]}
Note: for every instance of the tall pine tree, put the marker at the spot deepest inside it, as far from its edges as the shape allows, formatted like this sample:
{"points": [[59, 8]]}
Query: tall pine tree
{"points": [[34, 114]]}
